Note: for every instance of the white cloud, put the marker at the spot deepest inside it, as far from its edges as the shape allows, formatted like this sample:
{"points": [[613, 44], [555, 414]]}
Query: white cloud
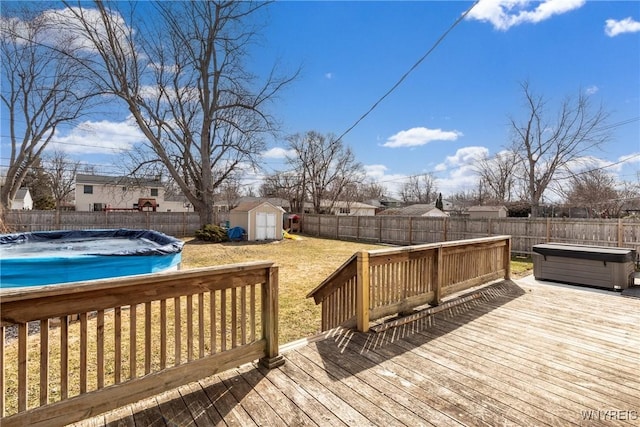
{"points": [[420, 136], [61, 27], [466, 156], [277, 153], [504, 14], [613, 28], [586, 163], [100, 137], [328, 76], [591, 90], [630, 158]]}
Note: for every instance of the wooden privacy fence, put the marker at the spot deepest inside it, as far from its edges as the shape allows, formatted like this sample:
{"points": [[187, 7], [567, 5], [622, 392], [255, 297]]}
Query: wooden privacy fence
{"points": [[524, 232], [69, 352], [378, 283], [179, 224]]}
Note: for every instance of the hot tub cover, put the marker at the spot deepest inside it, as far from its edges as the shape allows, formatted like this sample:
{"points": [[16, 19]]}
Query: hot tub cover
{"points": [[598, 253]]}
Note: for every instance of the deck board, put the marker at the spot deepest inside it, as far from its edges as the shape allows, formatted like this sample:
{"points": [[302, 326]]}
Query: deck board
{"points": [[522, 353]]}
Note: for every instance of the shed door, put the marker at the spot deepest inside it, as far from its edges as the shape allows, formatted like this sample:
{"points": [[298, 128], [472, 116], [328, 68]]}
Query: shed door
{"points": [[265, 226]]}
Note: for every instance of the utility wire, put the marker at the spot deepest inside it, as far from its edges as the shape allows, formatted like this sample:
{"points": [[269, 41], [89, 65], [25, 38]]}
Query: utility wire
{"points": [[405, 75]]}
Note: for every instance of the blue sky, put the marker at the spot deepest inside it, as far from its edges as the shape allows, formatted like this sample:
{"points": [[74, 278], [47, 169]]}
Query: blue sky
{"points": [[455, 105]]}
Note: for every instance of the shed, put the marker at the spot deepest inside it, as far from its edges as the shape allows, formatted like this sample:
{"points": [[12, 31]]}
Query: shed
{"points": [[261, 220], [488, 212], [22, 200]]}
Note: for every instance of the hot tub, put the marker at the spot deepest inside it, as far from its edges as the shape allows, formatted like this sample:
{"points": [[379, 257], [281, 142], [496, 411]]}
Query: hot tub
{"points": [[54, 257], [600, 266]]}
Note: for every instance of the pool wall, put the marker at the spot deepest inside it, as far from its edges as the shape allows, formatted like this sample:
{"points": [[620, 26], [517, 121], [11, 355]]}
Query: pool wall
{"points": [[165, 253]]}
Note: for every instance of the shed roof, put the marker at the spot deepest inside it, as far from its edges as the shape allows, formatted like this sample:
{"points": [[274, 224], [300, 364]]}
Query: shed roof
{"points": [[250, 206], [21, 193]]}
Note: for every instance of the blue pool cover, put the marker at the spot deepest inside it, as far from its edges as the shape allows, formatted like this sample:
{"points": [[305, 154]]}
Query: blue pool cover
{"points": [[50, 257]]}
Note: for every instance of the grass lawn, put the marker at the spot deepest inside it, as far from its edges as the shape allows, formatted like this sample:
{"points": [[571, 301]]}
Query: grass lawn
{"points": [[303, 265]]}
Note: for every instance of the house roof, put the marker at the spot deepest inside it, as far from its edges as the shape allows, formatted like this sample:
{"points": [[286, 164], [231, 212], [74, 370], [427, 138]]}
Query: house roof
{"points": [[21, 193], [249, 206], [486, 208], [413, 210], [116, 180], [343, 204], [391, 211]]}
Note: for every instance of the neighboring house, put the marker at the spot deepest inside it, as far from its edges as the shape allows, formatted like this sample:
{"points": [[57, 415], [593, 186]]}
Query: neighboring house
{"points": [[385, 202], [260, 220], [23, 200], [99, 192], [341, 208], [487, 212], [423, 210]]}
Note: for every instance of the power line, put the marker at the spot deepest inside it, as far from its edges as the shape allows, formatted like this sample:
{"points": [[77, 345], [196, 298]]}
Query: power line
{"points": [[405, 75]]}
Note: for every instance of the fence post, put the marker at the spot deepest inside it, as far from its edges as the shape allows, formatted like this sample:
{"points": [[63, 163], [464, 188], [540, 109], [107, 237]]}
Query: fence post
{"points": [[270, 320], [410, 230], [444, 228], [362, 291], [620, 233], [548, 236]]}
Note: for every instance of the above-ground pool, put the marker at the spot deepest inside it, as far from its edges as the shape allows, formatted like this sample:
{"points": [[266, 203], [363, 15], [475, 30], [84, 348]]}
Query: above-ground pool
{"points": [[49, 257]]}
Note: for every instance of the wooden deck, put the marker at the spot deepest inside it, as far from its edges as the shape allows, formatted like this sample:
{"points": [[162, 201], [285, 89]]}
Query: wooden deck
{"points": [[520, 353]]}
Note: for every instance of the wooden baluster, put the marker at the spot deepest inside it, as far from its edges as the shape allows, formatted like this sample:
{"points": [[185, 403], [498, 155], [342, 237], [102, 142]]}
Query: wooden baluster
{"points": [[44, 362], [147, 338], [100, 347], [117, 338]]}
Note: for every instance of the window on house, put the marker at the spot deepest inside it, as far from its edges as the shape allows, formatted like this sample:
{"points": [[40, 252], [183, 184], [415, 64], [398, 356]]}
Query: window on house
{"points": [[345, 211], [154, 192], [124, 188], [88, 189]]}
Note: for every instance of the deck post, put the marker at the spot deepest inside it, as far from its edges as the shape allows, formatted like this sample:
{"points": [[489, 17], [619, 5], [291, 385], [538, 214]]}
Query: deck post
{"points": [[270, 320], [507, 259], [362, 292], [438, 277]]}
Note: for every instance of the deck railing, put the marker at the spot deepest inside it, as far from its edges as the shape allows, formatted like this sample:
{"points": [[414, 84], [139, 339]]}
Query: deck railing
{"points": [[70, 352], [378, 283]]}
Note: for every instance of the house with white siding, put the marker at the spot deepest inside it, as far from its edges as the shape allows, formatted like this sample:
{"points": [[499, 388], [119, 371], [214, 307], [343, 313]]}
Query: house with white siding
{"points": [[100, 193]]}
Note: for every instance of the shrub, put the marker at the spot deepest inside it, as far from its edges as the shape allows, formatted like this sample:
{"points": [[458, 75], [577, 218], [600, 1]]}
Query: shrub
{"points": [[212, 233]]}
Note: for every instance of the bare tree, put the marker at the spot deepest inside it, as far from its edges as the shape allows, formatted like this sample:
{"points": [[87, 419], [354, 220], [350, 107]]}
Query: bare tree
{"points": [[544, 144], [42, 89], [230, 191], [498, 175], [369, 191], [325, 168], [39, 184], [285, 185], [62, 175], [419, 189], [595, 190], [187, 86]]}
